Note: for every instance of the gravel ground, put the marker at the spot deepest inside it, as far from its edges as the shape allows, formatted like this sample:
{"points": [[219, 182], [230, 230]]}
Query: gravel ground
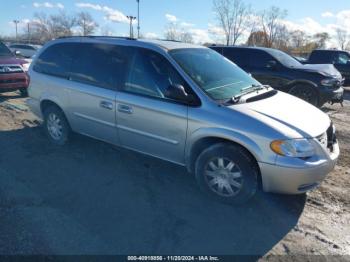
{"points": [[92, 198]]}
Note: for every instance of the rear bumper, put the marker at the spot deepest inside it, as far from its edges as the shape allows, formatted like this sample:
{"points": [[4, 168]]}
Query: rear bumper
{"points": [[297, 179], [34, 106], [12, 82]]}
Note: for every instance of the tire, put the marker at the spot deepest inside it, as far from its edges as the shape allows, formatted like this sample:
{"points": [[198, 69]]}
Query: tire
{"points": [[306, 93], [228, 168], [24, 92], [56, 126]]}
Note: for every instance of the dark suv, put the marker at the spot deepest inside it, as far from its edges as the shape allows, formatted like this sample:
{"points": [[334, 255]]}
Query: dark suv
{"points": [[340, 59], [316, 84]]}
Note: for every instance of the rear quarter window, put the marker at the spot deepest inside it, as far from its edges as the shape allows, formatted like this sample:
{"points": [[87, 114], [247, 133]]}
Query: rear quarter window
{"points": [[56, 60]]}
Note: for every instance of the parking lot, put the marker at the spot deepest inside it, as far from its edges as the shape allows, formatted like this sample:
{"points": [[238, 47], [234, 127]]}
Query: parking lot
{"points": [[91, 198]]}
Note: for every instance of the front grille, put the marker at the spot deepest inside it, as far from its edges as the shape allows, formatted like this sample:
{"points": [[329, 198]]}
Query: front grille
{"points": [[328, 139], [12, 81], [331, 137], [10, 69]]}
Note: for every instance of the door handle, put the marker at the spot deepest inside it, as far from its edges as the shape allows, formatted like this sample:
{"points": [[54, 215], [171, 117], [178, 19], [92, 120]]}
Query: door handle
{"points": [[106, 105], [125, 109]]}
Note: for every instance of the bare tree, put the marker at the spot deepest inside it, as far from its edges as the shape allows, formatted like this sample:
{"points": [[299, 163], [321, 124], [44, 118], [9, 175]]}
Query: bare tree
{"points": [[298, 39], [172, 31], [86, 23], [176, 33], [271, 23], [257, 38], [342, 38], [232, 16], [45, 27], [321, 39], [63, 24]]}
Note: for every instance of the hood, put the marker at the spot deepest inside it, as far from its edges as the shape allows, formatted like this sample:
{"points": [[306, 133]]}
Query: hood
{"points": [[327, 70], [11, 61], [291, 116]]}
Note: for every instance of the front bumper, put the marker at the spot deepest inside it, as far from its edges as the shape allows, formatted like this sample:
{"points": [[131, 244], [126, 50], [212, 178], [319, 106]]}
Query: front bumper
{"points": [[332, 95], [299, 176], [14, 81]]}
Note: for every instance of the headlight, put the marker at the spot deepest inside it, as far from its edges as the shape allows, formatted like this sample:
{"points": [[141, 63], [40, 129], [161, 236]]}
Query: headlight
{"points": [[25, 67], [328, 82], [293, 148]]}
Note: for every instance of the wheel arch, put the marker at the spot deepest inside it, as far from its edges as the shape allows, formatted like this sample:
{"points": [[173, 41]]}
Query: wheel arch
{"points": [[297, 82], [202, 139]]}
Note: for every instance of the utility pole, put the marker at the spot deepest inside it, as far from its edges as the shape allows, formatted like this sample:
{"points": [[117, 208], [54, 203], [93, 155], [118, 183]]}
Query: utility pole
{"points": [[16, 23], [131, 18], [28, 28], [138, 18]]}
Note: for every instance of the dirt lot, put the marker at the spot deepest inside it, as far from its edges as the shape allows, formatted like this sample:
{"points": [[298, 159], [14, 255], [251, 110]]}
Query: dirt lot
{"points": [[91, 198]]}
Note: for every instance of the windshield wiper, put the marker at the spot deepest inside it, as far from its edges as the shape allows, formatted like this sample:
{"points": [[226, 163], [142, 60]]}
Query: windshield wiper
{"points": [[247, 90]]}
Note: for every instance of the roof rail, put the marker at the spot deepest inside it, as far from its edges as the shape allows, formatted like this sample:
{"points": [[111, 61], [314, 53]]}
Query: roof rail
{"points": [[97, 36], [177, 41]]}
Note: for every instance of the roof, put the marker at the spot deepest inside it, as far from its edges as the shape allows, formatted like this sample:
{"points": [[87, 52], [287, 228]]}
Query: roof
{"points": [[162, 44], [169, 45], [245, 47]]}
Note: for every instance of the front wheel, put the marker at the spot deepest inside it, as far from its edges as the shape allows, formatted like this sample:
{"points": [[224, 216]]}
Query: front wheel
{"points": [[24, 92], [227, 172], [307, 93]]}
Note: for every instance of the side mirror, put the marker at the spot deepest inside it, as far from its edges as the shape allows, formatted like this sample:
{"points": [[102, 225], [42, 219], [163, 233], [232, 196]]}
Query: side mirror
{"points": [[18, 53], [178, 92], [271, 64]]}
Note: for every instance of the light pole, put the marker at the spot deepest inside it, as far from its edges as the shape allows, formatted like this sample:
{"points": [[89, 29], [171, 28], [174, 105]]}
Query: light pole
{"points": [[131, 18], [16, 23], [138, 18]]}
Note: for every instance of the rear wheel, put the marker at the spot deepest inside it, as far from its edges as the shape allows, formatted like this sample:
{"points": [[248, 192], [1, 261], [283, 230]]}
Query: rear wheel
{"points": [[227, 172], [56, 125], [307, 93]]}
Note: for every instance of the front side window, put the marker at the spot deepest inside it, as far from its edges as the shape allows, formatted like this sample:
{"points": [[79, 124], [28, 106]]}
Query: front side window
{"points": [[342, 59], [151, 74], [284, 58], [216, 75]]}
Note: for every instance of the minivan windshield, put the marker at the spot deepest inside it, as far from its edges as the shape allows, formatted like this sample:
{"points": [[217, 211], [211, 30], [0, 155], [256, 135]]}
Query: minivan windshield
{"points": [[4, 51], [217, 76], [284, 58]]}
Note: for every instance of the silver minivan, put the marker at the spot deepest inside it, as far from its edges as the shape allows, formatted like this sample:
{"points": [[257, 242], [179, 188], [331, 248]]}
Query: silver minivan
{"points": [[185, 104]]}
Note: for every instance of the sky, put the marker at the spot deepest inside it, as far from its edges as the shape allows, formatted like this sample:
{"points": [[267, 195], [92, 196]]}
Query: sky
{"points": [[196, 16]]}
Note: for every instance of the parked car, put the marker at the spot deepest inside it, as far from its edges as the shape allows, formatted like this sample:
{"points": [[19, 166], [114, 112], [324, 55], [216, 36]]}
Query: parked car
{"points": [[13, 74], [340, 59], [316, 84], [186, 104], [25, 50]]}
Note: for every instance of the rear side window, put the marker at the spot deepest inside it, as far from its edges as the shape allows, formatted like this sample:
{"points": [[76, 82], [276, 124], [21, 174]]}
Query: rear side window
{"points": [[238, 56], [322, 57], [56, 60], [102, 65], [260, 58]]}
